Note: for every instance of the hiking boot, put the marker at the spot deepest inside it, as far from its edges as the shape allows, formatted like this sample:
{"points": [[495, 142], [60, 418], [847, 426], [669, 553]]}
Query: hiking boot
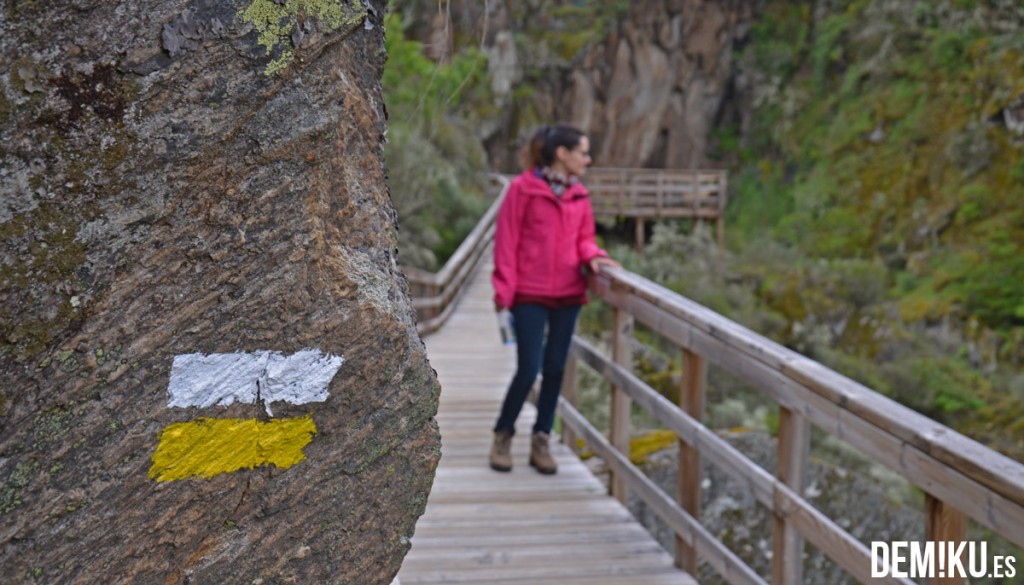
{"points": [[501, 451], [540, 456]]}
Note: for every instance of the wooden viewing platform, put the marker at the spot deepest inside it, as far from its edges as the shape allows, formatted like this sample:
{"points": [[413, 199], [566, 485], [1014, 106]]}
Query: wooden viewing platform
{"points": [[644, 194], [486, 527]]}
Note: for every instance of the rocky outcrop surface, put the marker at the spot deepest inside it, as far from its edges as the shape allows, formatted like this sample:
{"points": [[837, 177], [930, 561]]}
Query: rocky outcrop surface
{"points": [[197, 179], [648, 80], [650, 93]]}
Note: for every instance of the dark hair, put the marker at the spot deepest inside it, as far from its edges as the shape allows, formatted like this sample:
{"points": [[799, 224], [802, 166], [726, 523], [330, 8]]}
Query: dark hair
{"points": [[540, 151]]}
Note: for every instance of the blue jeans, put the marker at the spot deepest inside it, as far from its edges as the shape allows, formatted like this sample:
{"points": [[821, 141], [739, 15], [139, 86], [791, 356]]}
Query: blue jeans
{"points": [[533, 352]]}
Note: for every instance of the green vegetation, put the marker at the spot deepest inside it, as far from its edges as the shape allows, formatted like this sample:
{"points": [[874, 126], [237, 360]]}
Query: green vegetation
{"points": [[882, 172], [434, 156]]}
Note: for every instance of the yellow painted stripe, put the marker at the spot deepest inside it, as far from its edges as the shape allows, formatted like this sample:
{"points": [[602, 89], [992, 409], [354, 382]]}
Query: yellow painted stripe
{"points": [[209, 446]]}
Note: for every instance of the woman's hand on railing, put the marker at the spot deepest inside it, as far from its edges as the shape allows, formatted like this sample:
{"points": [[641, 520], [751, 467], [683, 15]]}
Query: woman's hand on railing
{"points": [[599, 263]]}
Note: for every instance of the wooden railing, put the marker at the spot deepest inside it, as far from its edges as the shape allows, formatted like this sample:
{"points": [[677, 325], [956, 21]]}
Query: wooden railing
{"points": [[435, 294], [961, 478], [652, 193]]}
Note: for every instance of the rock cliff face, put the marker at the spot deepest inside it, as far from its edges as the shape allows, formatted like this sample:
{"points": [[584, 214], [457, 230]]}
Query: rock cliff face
{"points": [[649, 91], [190, 185]]}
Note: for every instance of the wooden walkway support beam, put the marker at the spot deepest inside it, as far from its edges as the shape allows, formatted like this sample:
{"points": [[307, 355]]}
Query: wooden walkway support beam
{"points": [[793, 448], [622, 340]]}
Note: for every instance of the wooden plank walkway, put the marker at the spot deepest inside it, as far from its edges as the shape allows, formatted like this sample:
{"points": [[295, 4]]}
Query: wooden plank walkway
{"points": [[485, 527]]}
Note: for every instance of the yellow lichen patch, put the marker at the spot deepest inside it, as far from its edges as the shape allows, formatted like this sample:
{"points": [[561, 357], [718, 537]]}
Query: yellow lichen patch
{"points": [[640, 446], [210, 446], [274, 22], [650, 442]]}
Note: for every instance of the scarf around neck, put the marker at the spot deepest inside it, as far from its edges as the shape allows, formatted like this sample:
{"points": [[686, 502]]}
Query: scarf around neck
{"points": [[558, 182]]}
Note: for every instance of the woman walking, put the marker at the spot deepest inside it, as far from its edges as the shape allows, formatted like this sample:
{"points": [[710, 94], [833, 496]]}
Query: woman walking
{"points": [[543, 243]]}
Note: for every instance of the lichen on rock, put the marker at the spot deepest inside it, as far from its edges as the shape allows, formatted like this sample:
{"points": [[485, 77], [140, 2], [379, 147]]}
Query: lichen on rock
{"points": [[281, 25]]}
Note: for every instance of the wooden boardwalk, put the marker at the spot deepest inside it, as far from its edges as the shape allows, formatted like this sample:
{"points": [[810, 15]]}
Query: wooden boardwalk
{"points": [[485, 527]]}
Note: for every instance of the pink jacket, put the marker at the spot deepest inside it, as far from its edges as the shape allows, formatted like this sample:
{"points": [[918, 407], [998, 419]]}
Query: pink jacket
{"points": [[542, 242]]}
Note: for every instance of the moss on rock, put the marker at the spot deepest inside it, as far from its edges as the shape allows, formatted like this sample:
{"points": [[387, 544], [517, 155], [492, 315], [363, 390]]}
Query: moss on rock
{"points": [[38, 281]]}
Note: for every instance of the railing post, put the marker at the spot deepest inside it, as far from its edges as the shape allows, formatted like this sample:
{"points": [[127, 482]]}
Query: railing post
{"points": [[569, 383], [691, 399], [792, 455], [622, 192], [640, 234], [660, 194], [622, 354], [723, 193], [432, 289], [944, 523]]}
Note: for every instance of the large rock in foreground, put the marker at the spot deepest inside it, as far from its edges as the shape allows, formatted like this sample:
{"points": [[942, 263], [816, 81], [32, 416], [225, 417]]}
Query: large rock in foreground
{"points": [[211, 372]]}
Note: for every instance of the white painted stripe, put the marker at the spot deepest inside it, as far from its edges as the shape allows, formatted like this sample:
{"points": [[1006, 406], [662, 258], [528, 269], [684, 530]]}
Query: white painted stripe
{"points": [[219, 378], [301, 377], [225, 378]]}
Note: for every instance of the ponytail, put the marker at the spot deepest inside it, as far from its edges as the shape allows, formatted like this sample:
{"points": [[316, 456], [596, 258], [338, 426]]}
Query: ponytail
{"points": [[540, 151]]}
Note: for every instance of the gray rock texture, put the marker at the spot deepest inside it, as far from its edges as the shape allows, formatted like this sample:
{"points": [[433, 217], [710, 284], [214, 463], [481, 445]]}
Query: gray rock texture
{"points": [[648, 92], [200, 177]]}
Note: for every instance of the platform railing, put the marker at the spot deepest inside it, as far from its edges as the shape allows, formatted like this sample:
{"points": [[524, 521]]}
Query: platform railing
{"points": [[962, 479], [644, 194]]}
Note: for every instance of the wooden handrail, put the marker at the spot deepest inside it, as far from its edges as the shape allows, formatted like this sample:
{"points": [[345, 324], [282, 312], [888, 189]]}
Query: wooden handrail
{"points": [[435, 294], [688, 528], [960, 476], [823, 533]]}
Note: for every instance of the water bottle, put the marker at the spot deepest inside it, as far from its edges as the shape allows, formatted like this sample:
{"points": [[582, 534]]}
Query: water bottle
{"points": [[506, 325]]}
